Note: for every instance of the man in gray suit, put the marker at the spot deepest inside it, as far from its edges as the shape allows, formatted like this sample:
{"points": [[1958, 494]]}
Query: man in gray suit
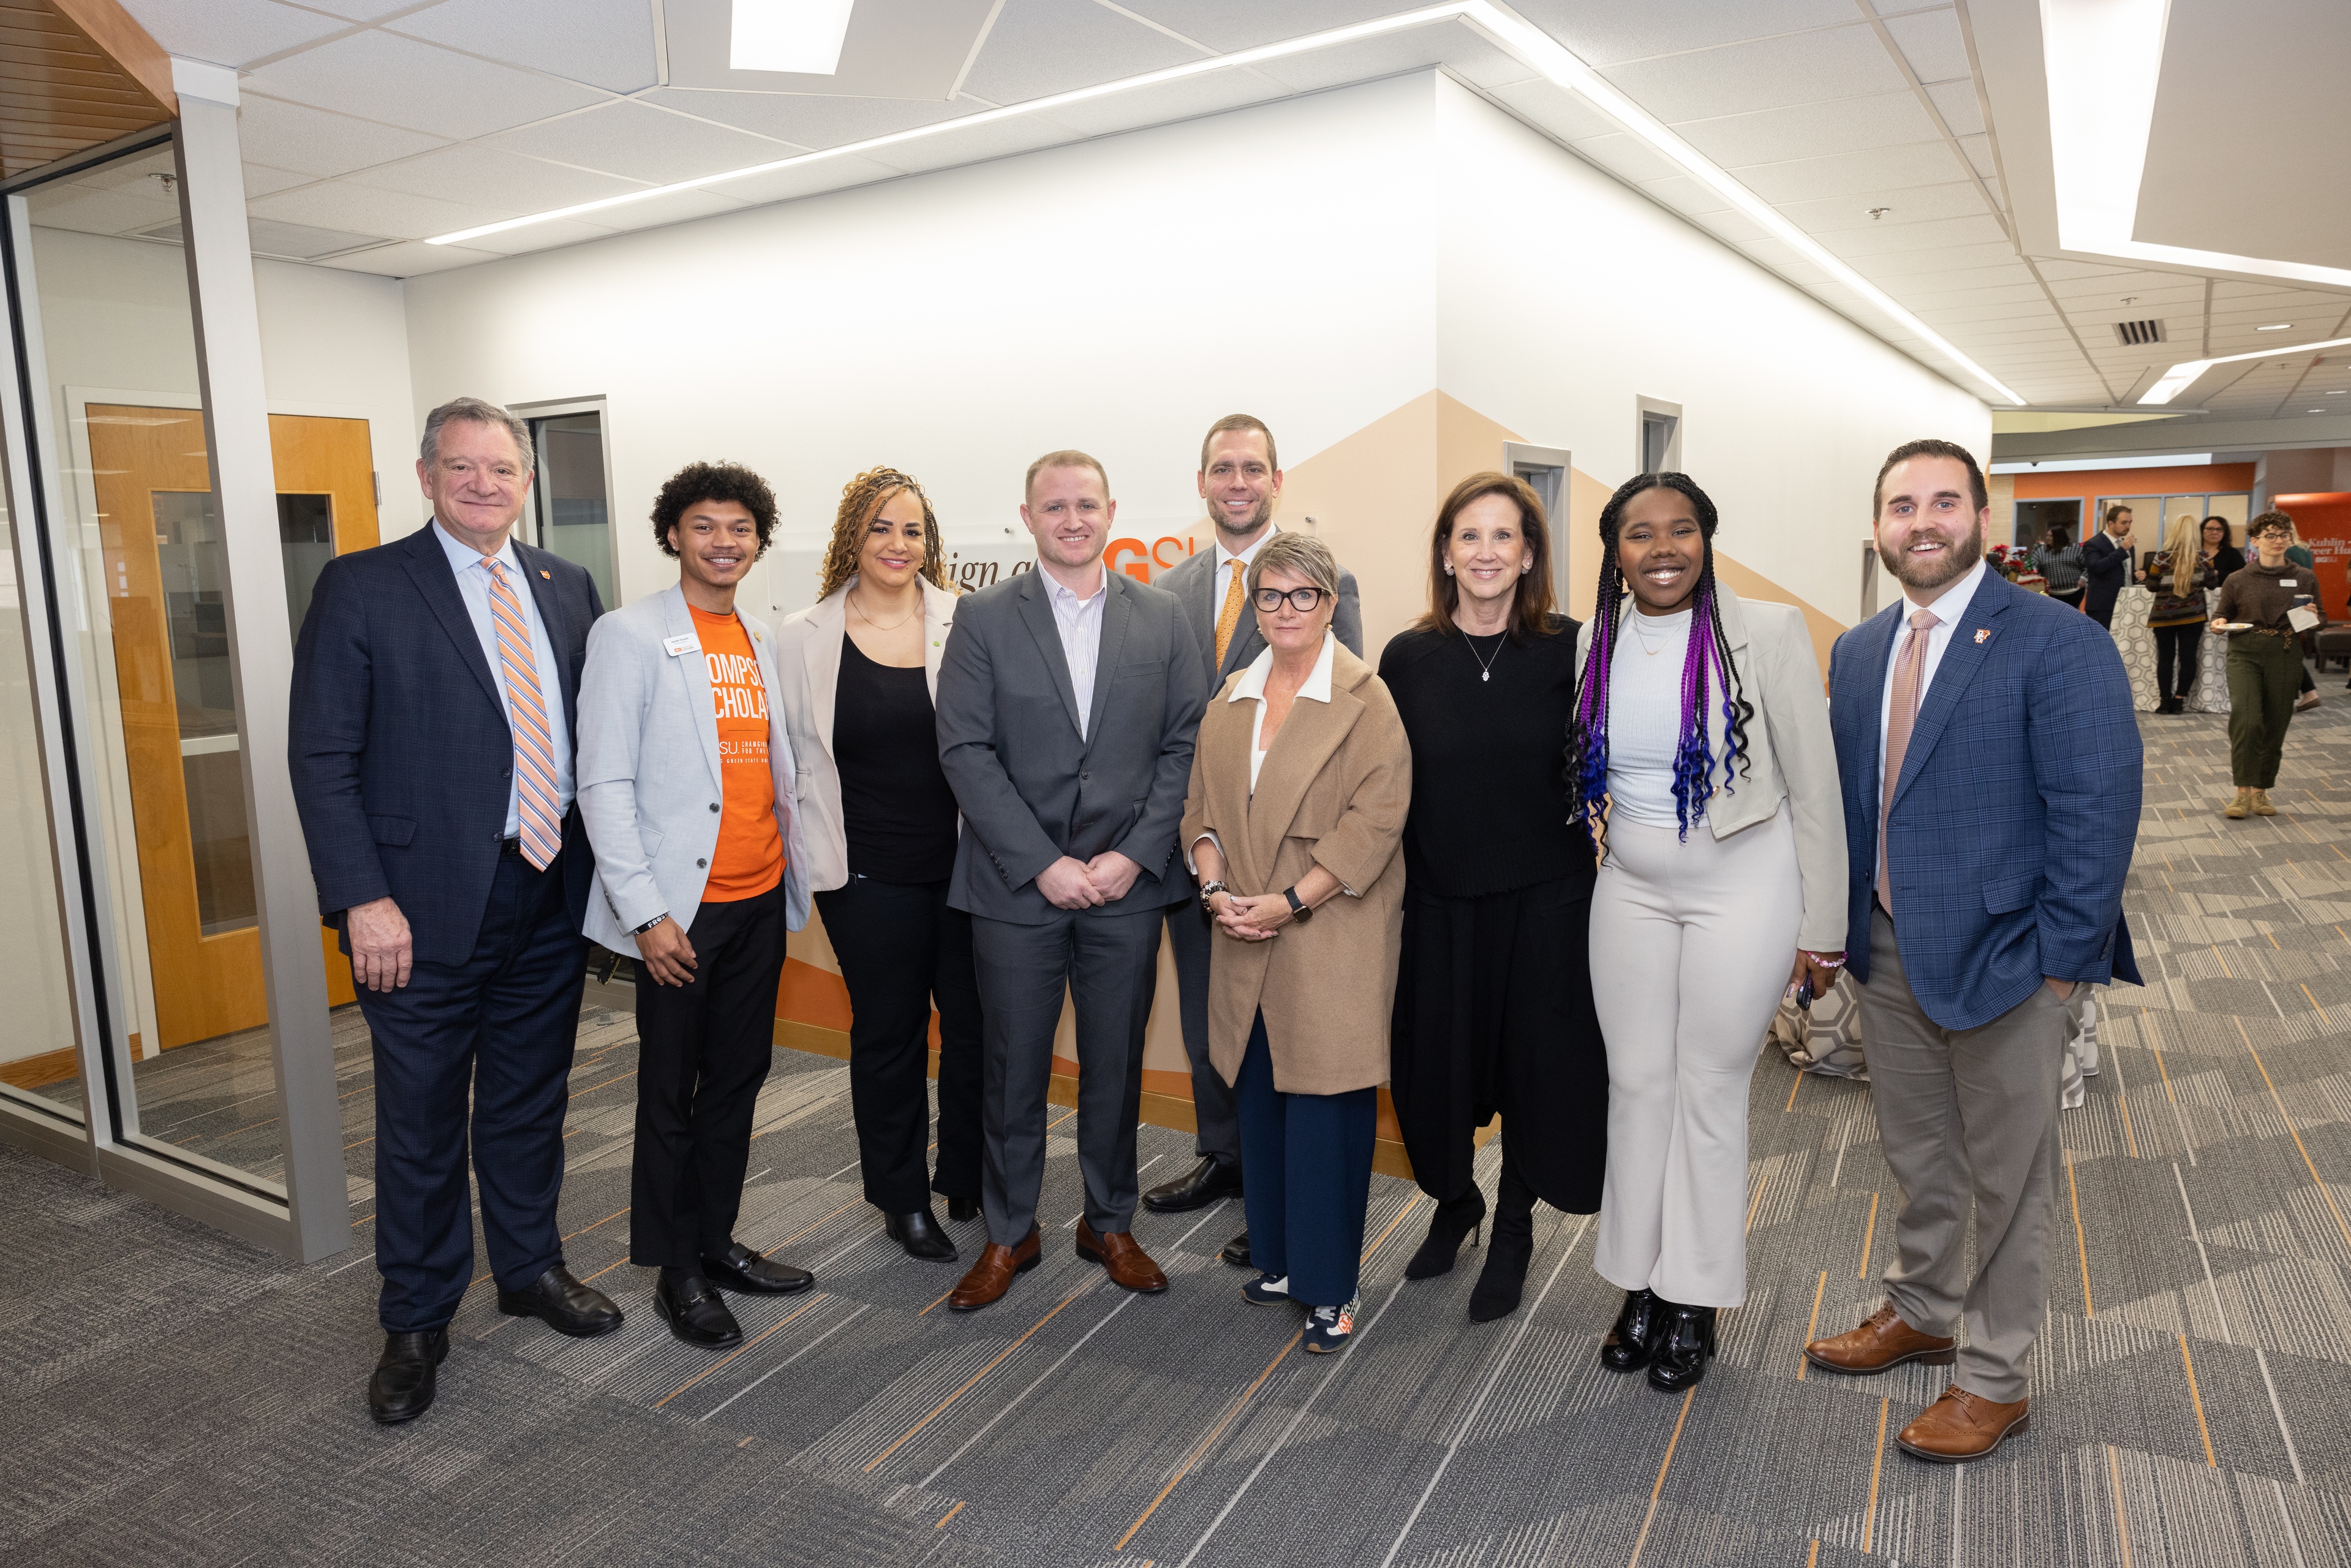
{"points": [[1067, 701], [1240, 481]]}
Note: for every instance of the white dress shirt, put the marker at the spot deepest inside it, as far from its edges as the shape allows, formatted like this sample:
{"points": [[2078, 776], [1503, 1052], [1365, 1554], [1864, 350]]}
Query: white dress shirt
{"points": [[1250, 687], [473, 587], [1228, 564], [1948, 610], [1080, 621]]}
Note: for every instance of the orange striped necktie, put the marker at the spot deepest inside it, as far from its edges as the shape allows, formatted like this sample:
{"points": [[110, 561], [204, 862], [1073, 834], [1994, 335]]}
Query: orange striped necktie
{"points": [[542, 835]]}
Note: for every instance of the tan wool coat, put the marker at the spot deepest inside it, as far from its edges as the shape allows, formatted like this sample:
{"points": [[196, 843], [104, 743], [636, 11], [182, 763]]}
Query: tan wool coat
{"points": [[1334, 791]]}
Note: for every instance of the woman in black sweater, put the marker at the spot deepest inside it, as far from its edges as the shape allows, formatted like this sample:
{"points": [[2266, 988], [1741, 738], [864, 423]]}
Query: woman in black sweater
{"points": [[1493, 1009]]}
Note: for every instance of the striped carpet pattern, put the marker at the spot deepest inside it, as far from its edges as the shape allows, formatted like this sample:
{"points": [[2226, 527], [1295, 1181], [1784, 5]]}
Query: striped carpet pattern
{"points": [[176, 1395]]}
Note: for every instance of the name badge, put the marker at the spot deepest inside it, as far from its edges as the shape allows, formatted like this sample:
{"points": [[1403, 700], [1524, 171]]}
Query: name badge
{"points": [[684, 643], [2286, 582]]}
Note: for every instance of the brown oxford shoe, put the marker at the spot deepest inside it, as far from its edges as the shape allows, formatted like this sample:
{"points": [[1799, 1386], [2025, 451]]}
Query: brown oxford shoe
{"points": [[1882, 1342], [992, 1275], [1960, 1427], [1126, 1263]]}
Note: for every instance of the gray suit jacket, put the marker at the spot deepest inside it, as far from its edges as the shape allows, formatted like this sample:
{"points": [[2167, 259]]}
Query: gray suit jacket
{"points": [[1193, 580], [1031, 790], [649, 778]]}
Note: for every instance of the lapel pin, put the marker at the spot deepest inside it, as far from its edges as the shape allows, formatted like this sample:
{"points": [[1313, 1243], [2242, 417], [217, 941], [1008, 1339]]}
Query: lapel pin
{"points": [[1983, 635], [549, 575]]}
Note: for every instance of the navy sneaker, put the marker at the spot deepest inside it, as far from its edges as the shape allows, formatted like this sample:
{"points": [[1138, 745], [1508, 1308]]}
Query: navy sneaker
{"points": [[1329, 1328], [1267, 1288]]}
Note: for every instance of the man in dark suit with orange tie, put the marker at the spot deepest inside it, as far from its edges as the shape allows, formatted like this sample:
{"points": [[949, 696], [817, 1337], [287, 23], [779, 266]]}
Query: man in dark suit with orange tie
{"points": [[431, 744]]}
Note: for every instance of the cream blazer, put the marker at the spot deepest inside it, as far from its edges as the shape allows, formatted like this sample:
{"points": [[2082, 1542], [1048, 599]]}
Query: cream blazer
{"points": [[807, 674], [1791, 754]]}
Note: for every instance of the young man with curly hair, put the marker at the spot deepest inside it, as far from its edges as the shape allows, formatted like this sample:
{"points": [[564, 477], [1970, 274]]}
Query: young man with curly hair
{"points": [[687, 787]]}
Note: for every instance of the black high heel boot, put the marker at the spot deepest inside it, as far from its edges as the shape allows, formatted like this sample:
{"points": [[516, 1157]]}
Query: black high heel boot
{"points": [[1683, 1349], [1640, 1324], [1502, 1282], [1455, 1218]]}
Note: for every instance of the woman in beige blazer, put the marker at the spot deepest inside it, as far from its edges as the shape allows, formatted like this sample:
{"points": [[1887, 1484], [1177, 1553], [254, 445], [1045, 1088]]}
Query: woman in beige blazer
{"points": [[1300, 781], [858, 673], [1701, 725]]}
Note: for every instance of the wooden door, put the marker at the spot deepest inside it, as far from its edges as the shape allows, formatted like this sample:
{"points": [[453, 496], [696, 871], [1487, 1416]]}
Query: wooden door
{"points": [[160, 542]]}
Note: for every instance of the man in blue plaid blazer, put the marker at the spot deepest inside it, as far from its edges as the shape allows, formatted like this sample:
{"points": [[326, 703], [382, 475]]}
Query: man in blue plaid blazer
{"points": [[1999, 725]]}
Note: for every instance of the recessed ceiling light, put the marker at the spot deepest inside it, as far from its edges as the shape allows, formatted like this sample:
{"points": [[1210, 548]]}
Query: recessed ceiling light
{"points": [[2279, 326], [801, 35]]}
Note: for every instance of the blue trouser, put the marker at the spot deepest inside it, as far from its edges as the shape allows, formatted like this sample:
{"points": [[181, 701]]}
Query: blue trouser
{"points": [[501, 1025], [1307, 1159]]}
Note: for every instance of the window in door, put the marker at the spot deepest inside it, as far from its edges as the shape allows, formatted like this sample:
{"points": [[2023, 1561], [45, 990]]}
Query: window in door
{"points": [[1660, 435], [574, 508]]}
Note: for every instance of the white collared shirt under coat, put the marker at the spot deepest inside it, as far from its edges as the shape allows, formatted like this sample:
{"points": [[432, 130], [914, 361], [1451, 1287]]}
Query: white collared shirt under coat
{"points": [[1334, 791], [651, 782], [1948, 611], [1790, 751], [1080, 622], [807, 670]]}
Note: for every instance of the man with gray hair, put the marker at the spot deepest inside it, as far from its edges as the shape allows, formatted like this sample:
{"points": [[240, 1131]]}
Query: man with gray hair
{"points": [[430, 738]]}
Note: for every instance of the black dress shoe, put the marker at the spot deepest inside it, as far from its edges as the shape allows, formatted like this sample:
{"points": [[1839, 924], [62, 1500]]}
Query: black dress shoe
{"points": [[920, 1235], [740, 1268], [696, 1312], [1203, 1184], [1640, 1324], [1683, 1349], [1455, 1218], [963, 1209], [1236, 1252], [563, 1304], [401, 1388]]}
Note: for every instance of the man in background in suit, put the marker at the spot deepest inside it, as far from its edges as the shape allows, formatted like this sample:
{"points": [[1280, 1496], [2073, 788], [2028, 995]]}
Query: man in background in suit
{"points": [[1067, 701], [1989, 818], [429, 737], [2107, 565], [1240, 481]]}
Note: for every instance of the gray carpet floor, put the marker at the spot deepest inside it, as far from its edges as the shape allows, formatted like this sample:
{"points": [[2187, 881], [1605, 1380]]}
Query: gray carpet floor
{"points": [[174, 1395]]}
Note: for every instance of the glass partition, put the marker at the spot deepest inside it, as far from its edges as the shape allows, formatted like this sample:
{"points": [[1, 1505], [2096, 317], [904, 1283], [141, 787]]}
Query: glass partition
{"points": [[573, 509]]}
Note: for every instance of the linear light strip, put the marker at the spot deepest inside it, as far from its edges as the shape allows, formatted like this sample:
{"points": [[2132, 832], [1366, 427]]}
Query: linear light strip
{"points": [[2174, 381], [1504, 27]]}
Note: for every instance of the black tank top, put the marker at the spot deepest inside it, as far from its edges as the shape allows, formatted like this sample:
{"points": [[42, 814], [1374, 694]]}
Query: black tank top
{"points": [[896, 809]]}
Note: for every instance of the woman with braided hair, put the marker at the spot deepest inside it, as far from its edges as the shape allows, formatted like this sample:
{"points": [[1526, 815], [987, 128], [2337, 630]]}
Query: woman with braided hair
{"points": [[1701, 729], [858, 672]]}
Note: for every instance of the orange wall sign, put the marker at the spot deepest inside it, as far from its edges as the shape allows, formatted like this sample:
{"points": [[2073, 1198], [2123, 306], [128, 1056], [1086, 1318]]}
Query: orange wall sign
{"points": [[2323, 520], [1131, 557]]}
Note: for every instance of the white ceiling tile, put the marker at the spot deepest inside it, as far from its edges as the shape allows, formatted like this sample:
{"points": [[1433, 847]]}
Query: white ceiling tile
{"points": [[357, 10], [408, 258], [400, 82], [1912, 204], [1687, 195], [974, 144], [263, 181], [362, 209], [1941, 235], [808, 179], [1957, 102], [1391, 53], [1188, 98], [1933, 45], [677, 207], [1811, 129], [488, 177], [228, 32], [1998, 256], [1810, 68], [537, 237], [1606, 31], [1038, 48], [1731, 227], [1556, 109], [2055, 267], [639, 141], [1979, 154], [606, 43], [1224, 25], [315, 142], [807, 120], [1879, 174]]}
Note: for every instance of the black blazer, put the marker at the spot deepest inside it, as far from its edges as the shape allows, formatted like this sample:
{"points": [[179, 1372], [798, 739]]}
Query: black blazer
{"points": [[398, 741], [2105, 567]]}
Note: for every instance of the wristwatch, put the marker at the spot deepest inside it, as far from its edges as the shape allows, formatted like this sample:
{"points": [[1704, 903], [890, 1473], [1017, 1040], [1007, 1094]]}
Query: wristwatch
{"points": [[1299, 910], [1209, 890], [649, 924]]}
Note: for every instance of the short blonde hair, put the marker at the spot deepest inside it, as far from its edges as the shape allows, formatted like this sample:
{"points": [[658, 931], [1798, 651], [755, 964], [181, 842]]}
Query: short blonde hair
{"points": [[1068, 458], [1298, 555]]}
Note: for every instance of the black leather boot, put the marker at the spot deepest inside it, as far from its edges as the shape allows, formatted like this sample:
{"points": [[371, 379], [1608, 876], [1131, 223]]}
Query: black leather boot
{"points": [[1685, 1348], [1640, 1324], [920, 1235], [1502, 1282], [1455, 1218]]}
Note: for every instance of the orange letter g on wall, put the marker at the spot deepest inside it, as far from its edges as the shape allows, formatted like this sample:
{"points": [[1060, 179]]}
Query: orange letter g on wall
{"points": [[1116, 559]]}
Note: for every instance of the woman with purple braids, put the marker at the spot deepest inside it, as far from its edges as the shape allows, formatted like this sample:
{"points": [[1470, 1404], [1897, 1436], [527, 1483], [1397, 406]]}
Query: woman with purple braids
{"points": [[1701, 729]]}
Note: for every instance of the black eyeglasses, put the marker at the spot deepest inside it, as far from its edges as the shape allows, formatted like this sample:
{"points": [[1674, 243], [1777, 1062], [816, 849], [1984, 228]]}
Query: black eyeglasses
{"points": [[1305, 599]]}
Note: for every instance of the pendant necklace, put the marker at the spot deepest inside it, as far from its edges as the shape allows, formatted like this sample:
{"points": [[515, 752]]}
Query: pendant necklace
{"points": [[1643, 638], [1485, 665]]}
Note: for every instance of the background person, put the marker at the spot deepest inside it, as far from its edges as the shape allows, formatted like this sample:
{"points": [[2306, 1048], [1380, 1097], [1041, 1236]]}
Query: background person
{"points": [[1493, 1007], [1990, 816], [686, 785], [1240, 482], [1067, 700], [2298, 553], [2061, 563], [458, 886], [1301, 779], [859, 673], [2178, 577], [2107, 565], [2222, 559], [2263, 660], [1701, 725]]}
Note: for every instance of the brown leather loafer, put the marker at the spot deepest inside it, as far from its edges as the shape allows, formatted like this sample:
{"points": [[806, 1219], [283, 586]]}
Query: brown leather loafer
{"points": [[1126, 1263], [1884, 1341], [992, 1275], [1960, 1427]]}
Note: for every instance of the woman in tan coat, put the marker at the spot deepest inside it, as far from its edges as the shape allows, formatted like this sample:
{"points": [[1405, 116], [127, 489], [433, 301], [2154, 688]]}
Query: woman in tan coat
{"points": [[1301, 779]]}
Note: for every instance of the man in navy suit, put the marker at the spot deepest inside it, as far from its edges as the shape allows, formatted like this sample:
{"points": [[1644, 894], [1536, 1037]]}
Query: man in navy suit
{"points": [[431, 743], [1984, 891]]}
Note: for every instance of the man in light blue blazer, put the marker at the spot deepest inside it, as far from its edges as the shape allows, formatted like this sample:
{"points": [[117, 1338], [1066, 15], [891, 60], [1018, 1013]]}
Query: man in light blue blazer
{"points": [[686, 786], [1990, 809]]}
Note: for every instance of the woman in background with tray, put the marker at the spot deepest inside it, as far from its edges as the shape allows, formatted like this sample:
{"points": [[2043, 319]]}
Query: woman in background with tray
{"points": [[2258, 612]]}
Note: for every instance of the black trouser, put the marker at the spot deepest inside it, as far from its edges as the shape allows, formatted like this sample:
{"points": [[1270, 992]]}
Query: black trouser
{"points": [[901, 951], [704, 1049], [2177, 646]]}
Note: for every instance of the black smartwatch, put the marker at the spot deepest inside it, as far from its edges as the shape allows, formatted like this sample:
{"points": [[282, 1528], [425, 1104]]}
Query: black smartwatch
{"points": [[649, 924], [1299, 910]]}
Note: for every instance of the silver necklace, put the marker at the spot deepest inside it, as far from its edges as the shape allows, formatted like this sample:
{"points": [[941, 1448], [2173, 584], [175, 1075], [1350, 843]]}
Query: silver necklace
{"points": [[1485, 666]]}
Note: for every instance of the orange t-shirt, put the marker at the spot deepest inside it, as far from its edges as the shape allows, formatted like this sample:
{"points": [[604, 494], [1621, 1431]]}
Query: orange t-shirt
{"points": [[749, 859]]}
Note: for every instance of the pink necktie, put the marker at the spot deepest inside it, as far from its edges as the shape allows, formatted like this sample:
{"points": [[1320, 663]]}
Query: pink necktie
{"points": [[542, 833], [1900, 716]]}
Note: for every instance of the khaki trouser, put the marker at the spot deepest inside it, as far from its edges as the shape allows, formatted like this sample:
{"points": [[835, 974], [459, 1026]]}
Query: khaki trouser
{"points": [[1969, 1120]]}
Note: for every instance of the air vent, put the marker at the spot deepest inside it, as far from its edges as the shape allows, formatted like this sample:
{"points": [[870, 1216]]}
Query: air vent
{"points": [[2130, 334]]}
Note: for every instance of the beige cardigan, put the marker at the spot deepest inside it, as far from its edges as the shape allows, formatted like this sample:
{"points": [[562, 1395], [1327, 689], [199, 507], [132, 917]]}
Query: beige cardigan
{"points": [[1333, 791], [1792, 754], [808, 672]]}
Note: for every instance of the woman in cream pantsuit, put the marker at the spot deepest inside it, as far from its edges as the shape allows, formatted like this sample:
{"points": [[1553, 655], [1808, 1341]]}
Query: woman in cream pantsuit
{"points": [[1700, 723]]}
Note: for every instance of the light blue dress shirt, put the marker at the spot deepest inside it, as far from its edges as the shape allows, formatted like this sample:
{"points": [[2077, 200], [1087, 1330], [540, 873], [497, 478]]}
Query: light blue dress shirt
{"points": [[473, 587]]}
